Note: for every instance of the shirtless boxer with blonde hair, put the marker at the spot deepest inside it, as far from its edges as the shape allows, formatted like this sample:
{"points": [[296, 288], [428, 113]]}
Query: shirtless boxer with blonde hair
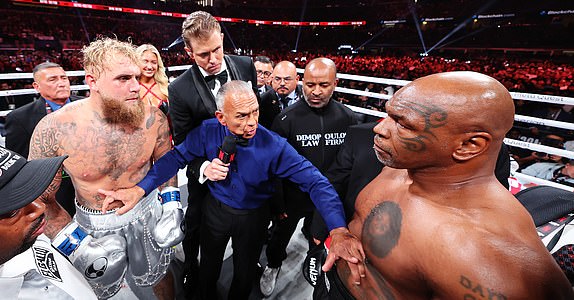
{"points": [[112, 139]]}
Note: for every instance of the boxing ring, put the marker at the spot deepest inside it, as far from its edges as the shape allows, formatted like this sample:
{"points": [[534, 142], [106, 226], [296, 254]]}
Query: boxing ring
{"points": [[517, 180]]}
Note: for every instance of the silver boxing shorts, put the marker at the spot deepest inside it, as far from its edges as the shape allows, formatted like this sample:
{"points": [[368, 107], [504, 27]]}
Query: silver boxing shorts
{"points": [[147, 262]]}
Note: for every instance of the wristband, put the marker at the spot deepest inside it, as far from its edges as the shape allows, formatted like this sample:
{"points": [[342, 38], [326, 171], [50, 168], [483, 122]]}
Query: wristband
{"points": [[169, 194], [69, 239]]}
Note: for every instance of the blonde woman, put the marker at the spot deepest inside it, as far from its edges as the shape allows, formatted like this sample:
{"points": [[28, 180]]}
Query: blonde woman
{"points": [[153, 81]]}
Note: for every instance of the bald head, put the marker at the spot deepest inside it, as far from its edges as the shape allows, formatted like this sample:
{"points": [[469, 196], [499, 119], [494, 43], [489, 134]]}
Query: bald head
{"points": [[319, 82], [445, 119], [284, 78], [321, 63], [476, 102]]}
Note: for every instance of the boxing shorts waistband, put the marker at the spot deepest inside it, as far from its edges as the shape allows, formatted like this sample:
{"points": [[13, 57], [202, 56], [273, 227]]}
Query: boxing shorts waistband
{"points": [[110, 219]]}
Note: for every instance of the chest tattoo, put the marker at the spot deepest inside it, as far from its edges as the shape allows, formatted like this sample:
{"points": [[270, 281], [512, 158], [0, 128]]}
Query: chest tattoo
{"points": [[122, 150], [382, 228]]}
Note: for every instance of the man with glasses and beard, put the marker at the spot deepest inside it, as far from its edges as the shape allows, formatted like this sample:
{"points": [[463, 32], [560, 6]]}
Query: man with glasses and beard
{"points": [[112, 139], [284, 92], [264, 67]]}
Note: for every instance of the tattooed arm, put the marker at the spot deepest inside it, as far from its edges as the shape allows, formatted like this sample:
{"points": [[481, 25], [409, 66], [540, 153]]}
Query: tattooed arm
{"points": [[163, 143], [44, 144]]}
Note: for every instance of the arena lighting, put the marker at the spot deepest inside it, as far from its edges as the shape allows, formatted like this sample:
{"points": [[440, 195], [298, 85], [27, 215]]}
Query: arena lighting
{"points": [[415, 18], [461, 25], [558, 12], [494, 16], [182, 15], [303, 9], [457, 28], [426, 20], [372, 38], [177, 41], [460, 38]]}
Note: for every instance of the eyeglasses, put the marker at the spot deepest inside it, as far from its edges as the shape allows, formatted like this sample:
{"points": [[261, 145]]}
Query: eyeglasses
{"points": [[265, 74], [278, 79]]}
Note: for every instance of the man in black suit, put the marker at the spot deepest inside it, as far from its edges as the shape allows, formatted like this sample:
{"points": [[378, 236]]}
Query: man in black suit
{"points": [[315, 127], [285, 92], [192, 100], [354, 167], [264, 67], [53, 85]]}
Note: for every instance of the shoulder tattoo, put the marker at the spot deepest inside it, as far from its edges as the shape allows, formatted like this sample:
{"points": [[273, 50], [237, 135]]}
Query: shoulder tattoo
{"points": [[162, 138], [382, 228], [45, 139], [151, 120]]}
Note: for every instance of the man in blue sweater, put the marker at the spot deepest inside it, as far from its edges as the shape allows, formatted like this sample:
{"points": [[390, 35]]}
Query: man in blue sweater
{"points": [[240, 190]]}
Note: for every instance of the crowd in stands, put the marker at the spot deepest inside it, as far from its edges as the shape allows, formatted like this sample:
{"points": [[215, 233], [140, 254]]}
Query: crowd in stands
{"points": [[540, 77]]}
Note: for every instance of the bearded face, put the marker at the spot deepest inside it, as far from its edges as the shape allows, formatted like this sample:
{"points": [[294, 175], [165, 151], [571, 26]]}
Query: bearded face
{"points": [[121, 112], [117, 87]]}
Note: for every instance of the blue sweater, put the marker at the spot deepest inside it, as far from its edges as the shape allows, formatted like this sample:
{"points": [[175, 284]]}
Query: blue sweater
{"points": [[249, 181]]}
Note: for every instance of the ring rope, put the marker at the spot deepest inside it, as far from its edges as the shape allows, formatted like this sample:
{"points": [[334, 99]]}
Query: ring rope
{"points": [[510, 142]]}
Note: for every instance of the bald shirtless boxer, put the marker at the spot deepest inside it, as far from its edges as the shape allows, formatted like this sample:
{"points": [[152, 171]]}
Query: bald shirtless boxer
{"points": [[436, 224], [111, 139]]}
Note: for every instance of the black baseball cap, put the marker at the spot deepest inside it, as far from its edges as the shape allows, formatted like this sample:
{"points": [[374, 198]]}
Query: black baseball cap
{"points": [[23, 181]]}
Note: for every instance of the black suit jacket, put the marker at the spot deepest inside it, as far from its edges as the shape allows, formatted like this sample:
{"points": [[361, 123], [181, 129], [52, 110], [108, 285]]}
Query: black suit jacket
{"points": [[17, 100], [190, 100], [266, 88], [355, 166], [20, 124], [270, 106]]}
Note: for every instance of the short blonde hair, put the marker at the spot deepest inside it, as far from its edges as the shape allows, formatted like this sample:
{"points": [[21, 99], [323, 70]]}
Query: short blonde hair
{"points": [[160, 77], [99, 53], [198, 24]]}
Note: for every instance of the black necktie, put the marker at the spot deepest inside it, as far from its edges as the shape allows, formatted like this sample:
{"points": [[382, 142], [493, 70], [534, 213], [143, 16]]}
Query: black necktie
{"points": [[285, 101], [210, 80]]}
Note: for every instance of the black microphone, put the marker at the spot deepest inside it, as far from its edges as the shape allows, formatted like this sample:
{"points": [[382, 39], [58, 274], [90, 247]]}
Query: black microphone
{"points": [[227, 150]]}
